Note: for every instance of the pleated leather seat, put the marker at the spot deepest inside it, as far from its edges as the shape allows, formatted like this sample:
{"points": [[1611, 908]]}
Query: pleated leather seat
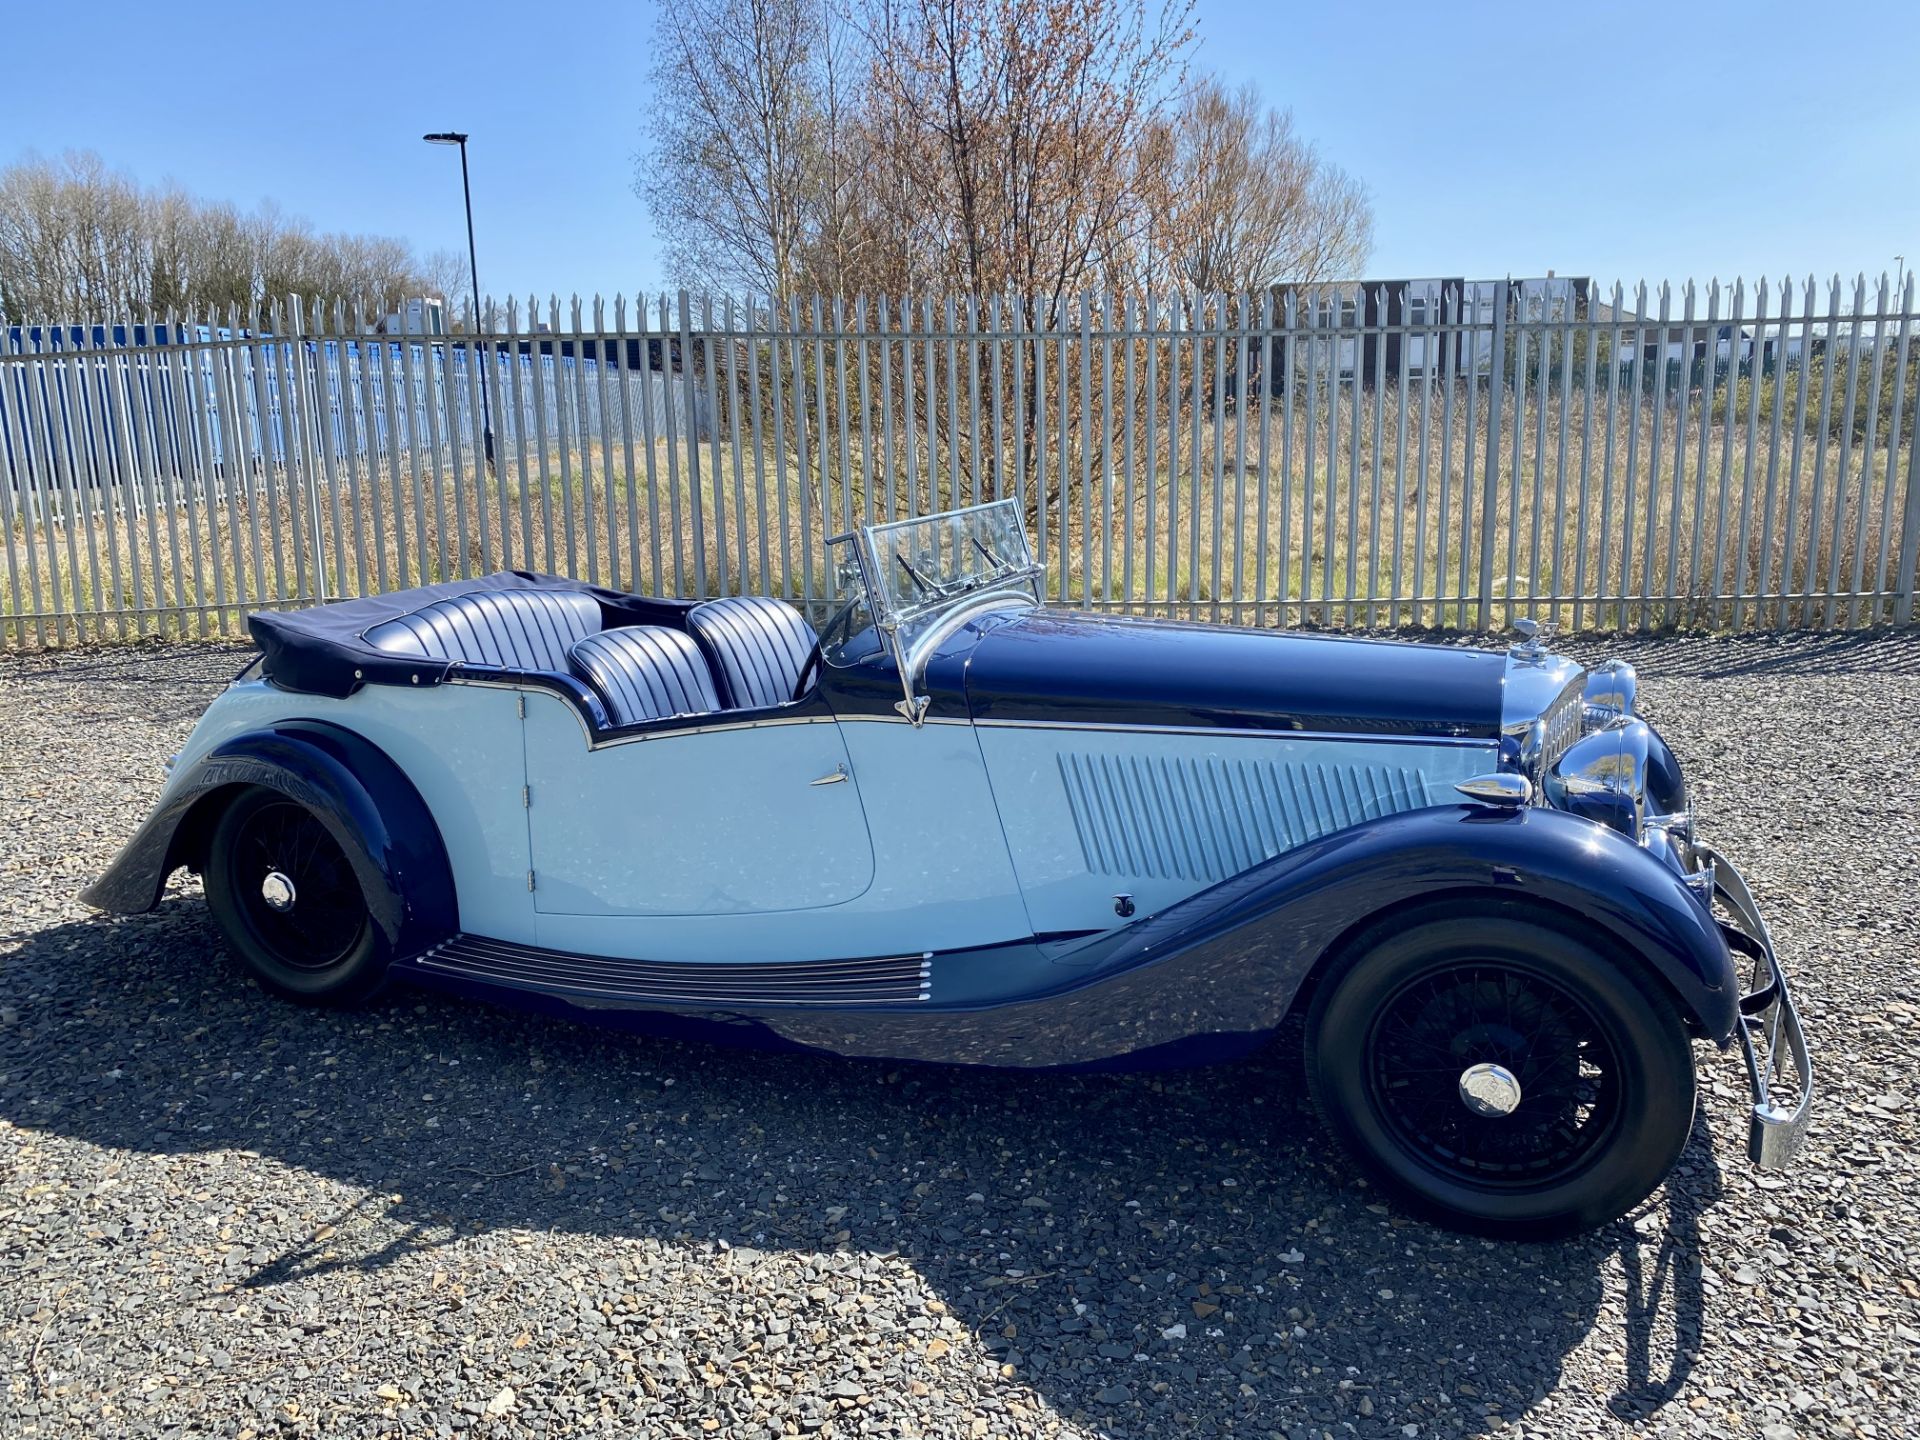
{"points": [[513, 629], [646, 672], [757, 645]]}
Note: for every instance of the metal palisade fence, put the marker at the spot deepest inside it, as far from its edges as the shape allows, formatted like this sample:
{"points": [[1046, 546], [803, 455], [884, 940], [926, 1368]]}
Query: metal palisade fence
{"points": [[1450, 456]]}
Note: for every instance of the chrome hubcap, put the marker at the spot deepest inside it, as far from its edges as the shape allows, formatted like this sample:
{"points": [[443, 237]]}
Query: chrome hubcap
{"points": [[277, 891], [1489, 1090]]}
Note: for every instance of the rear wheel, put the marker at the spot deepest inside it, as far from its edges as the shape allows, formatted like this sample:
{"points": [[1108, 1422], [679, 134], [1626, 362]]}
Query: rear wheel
{"points": [[289, 904], [1499, 1074]]}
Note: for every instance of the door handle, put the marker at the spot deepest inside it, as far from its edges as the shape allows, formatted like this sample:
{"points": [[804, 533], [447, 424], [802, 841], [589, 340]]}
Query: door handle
{"points": [[838, 776]]}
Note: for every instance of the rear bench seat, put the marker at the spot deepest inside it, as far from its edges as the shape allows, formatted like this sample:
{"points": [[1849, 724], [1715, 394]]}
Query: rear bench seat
{"points": [[743, 653], [509, 629]]}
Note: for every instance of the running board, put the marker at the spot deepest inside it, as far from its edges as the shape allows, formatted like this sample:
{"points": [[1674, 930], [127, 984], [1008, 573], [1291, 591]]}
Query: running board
{"points": [[885, 980]]}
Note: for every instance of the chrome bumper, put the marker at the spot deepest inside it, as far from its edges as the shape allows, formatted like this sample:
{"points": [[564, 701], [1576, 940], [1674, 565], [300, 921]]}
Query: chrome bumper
{"points": [[1771, 1039]]}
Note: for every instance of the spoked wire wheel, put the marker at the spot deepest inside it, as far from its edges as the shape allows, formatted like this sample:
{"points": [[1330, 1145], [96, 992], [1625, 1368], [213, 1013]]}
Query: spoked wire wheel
{"points": [[288, 901], [1499, 1071], [1494, 1074]]}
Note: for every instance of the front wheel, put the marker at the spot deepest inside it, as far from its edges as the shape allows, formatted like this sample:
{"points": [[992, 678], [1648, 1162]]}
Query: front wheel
{"points": [[1500, 1075], [289, 905]]}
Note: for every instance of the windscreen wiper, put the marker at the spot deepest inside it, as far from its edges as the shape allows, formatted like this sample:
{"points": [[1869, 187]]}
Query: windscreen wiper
{"points": [[924, 585]]}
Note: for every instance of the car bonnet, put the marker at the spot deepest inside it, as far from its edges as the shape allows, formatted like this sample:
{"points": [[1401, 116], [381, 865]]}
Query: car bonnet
{"points": [[1080, 668]]}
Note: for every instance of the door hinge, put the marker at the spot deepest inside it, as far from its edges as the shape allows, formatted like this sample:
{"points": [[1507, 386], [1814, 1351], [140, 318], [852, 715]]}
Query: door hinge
{"points": [[526, 797], [529, 879], [521, 701]]}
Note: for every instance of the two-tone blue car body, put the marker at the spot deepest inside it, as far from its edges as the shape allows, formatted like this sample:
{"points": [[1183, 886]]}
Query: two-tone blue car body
{"points": [[956, 825]]}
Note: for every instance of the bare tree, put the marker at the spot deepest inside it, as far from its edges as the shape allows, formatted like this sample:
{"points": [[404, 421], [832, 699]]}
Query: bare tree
{"points": [[837, 196], [1025, 149], [70, 237], [975, 155], [1004, 126], [983, 147], [445, 277], [1248, 203], [80, 242], [739, 170]]}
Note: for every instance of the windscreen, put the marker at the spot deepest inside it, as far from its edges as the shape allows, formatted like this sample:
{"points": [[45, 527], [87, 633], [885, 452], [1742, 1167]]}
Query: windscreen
{"points": [[917, 567]]}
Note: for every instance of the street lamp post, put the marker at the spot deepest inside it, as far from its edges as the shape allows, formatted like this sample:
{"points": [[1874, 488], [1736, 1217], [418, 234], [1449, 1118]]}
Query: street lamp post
{"points": [[455, 137]]}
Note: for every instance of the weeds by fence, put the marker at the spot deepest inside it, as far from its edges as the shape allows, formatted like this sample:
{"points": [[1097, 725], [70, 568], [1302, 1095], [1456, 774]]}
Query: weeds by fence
{"points": [[1714, 460]]}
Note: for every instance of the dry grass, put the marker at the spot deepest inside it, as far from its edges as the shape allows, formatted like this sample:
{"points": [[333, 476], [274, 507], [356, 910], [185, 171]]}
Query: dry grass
{"points": [[1586, 526]]}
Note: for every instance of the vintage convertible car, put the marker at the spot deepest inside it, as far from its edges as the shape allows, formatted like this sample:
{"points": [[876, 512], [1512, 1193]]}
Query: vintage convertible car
{"points": [[957, 825]]}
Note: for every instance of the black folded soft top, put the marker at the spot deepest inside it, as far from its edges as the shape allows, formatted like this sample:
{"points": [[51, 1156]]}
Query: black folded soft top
{"points": [[323, 650]]}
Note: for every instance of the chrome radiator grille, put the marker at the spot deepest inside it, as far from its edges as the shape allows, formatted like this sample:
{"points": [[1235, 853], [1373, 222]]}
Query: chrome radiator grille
{"points": [[1563, 722]]}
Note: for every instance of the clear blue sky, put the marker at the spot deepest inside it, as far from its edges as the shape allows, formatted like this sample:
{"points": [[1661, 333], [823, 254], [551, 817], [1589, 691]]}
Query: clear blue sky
{"points": [[1651, 139]]}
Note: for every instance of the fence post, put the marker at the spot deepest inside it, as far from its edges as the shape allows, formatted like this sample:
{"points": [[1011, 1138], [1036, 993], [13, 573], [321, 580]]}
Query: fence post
{"points": [[1490, 490], [13, 470], [1909, 525], [309, 407]]}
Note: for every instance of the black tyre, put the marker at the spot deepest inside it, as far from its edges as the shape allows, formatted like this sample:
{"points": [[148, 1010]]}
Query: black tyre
{"points": [[289, 904], [1498, 1074]]}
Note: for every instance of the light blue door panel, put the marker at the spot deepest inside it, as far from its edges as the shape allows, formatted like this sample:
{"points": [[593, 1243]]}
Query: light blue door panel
{"points": [[931, 811], [942, 880], [1160, 816], [719, 822]]}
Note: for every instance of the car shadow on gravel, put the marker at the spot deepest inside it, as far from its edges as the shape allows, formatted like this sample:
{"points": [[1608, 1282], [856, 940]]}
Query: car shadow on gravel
{"points": [[1154, 1254]]}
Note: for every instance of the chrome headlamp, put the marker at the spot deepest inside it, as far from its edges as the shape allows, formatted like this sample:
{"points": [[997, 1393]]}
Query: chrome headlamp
{"points": [[1602, 776], [1611, 690]]}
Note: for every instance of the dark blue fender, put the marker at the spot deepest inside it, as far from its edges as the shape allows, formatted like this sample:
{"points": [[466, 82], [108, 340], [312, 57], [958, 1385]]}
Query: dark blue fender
{"points": [[1297, 907], [364, 799]]}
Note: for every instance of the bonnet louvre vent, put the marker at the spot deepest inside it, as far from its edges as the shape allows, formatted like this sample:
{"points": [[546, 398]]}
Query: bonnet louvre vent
{"points": [[1206, 818]]}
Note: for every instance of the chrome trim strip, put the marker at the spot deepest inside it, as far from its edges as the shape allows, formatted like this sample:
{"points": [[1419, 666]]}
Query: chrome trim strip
{"points": [[764, 722], [1485, 742]]}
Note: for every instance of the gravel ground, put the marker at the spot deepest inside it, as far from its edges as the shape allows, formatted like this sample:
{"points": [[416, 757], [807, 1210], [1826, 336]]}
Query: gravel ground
{"points": [[221, 1214]]}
